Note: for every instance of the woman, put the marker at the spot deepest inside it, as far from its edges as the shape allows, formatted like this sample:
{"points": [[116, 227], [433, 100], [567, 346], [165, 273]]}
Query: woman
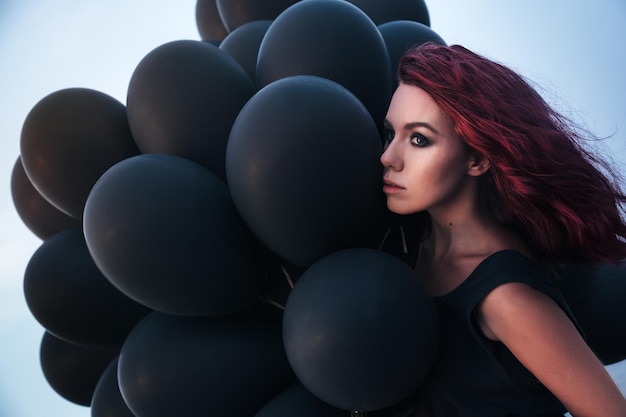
{"points": [[508, 187]]}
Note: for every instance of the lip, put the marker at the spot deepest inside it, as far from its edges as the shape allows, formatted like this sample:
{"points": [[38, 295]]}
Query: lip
{"points": [[390, 187]]}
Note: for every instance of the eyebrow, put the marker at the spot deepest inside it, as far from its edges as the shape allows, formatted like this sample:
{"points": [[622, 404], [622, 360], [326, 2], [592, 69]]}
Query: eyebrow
{"points": [[413, 125]]}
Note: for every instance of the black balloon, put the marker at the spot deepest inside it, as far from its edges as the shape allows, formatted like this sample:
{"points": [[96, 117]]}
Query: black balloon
{"points": [[214, 366], [73, 370], [69, 138], [298, 401], [331, 39], [183, 98], [70, 297], [303, 168], [595, 294], [209, 22], [235, 13], [400, 35], [359, 329], [107, 400], [164, 231], [390, 10], [41, 217], [243, 44]]}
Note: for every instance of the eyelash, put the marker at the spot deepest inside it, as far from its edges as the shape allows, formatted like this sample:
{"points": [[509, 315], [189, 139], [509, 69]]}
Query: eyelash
{"points": [[387, 137], [417, 139]]}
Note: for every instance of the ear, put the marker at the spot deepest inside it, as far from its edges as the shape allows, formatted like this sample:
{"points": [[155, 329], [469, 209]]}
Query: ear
{"points": [[477, 165]]}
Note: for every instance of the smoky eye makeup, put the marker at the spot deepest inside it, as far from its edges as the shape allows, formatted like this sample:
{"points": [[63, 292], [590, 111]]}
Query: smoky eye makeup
{"points": [[419, 140]]}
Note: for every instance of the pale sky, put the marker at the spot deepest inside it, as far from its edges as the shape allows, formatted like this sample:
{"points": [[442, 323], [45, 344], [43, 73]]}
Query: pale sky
{"points": [[574, 49]]}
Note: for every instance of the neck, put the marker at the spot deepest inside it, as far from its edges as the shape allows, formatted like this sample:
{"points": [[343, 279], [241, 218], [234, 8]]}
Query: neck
{"points": [[470, 233], [453, 234], [463, 226]]}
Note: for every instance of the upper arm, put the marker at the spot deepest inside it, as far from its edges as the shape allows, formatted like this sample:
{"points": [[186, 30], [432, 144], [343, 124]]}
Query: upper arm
{"points": [[543, 338]]}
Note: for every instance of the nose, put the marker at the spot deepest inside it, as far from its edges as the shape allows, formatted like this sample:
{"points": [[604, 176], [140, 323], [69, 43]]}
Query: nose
{"points": [[390, 158]]}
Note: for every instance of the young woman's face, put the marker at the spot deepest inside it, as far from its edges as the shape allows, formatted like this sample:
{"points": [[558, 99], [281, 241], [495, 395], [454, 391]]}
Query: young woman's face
{"points": [[425, 162]]}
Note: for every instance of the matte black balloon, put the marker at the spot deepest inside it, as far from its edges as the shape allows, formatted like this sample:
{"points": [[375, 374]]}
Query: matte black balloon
{"points": [[69, 138], [359, 329], [331, 39], [41, 217], [70, 297], [235, 13], [595, 294], [217, 366], [73, 370], [390, 10], [183, 98], [209, 22], [164, 231], [400, 35], [243, 44], [298, 401], [303, 168], [107, 400]]}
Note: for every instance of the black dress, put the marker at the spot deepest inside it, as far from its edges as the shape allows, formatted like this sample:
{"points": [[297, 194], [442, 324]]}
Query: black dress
{"points": [[473, 376]]}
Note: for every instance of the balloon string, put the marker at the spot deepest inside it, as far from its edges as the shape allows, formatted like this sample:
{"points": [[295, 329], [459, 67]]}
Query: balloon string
{"points": [[358, 413], [382, 242], [405, 249], [275, 304], [287, 277]]}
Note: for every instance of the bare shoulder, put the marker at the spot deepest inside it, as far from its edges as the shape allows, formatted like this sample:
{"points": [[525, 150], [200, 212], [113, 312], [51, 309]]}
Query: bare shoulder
{"points": [[512, 306], [542, 337], [514, 295]]}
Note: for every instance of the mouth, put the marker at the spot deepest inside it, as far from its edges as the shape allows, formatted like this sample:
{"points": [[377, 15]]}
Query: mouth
{"points": [[391, 187]]}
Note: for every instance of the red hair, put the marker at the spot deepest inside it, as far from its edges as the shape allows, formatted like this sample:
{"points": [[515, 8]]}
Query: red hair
{"points": [[542, 181]]}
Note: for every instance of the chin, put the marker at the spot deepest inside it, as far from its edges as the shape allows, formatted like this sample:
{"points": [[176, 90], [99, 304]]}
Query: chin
{"points": [[400, 209]]}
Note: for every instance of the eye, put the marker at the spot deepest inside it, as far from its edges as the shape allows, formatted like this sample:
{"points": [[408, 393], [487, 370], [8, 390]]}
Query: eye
{"points": [[419, 140], [387, 136]]}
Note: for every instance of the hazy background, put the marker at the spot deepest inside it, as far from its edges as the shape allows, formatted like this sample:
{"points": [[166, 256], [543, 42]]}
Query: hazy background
{"points": [[575, 50]]}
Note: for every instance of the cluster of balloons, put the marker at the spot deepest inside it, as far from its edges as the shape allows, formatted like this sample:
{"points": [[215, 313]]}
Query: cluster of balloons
{"points": [[213, 246]]}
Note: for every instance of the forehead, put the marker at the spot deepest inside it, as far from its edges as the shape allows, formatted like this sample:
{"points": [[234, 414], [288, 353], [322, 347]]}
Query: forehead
{"points": [[411, 103]]}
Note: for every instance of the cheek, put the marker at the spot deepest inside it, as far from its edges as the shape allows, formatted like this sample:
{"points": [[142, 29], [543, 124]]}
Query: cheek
{"points": [[444, 171], [440, 164]]}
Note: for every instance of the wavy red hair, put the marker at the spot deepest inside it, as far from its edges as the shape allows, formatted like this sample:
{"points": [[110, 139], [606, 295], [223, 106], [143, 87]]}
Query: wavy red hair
{"points": [[543, 180]]}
